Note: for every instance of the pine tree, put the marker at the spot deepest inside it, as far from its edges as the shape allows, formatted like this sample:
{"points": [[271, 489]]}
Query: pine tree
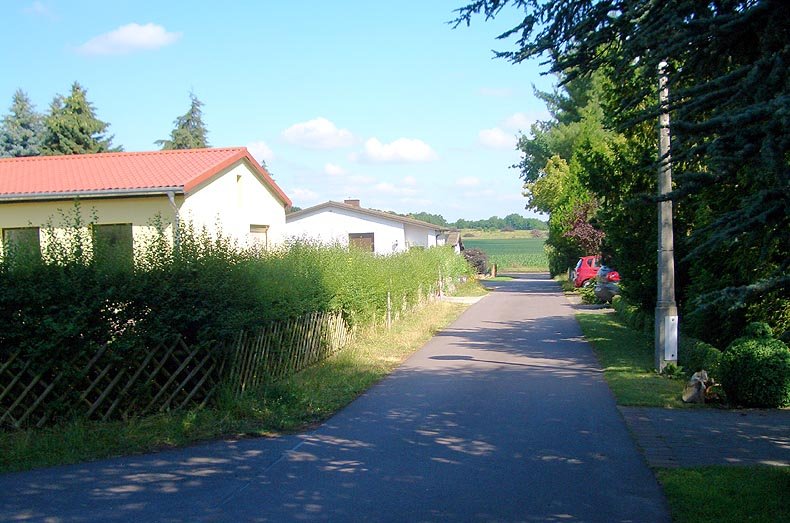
{"points": [[72, 127], [190, 131], [21, 130]]}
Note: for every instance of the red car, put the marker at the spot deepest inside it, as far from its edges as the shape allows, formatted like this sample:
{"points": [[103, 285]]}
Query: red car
{"points": [[585, 271]]}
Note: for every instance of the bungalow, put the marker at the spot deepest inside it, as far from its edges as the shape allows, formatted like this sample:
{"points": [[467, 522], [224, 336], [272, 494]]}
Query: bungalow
{"points": [[348, 223], [127, 191]]}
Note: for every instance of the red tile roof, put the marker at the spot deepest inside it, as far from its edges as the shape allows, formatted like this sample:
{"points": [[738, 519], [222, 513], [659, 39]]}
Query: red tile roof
{"points": [[153, 171]]}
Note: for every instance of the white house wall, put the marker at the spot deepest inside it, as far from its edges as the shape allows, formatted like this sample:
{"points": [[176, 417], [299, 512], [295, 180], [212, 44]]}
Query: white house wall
{"points": [[333, 225], [236, 199], [420, 236]]}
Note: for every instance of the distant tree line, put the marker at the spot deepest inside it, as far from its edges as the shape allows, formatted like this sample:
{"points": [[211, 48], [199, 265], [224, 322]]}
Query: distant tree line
{"points": [[72, 127], [513, 221]]}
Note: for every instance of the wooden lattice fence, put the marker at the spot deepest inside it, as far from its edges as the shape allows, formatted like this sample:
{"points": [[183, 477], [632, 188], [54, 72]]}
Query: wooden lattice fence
{"points": [[169, 376], [285, 347]]}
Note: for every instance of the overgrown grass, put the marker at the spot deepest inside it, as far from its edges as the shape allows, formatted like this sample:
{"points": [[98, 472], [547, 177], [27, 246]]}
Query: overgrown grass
{"points": [[290, 405], [727, 494], [516, 255], [627, 359]]}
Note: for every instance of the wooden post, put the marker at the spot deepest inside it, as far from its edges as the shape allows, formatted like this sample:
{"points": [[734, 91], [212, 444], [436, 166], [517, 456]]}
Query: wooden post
{"points": [[389, 311]]}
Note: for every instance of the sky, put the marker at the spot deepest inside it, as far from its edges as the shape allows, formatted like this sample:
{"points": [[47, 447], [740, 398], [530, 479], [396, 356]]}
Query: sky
{"points": [[378, 101]]}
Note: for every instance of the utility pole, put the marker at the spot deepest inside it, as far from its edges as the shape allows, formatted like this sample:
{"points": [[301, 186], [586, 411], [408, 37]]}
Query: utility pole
{"points": [[666, 325]]}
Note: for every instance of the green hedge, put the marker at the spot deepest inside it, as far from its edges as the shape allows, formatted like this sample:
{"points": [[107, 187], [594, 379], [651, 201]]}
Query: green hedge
{"points": [[206, 289]]}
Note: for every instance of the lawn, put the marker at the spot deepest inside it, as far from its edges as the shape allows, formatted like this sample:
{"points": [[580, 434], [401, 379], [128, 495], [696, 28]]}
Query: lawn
{"points": [[626, 356], [516, 255], [727, 494], [719, 494]]}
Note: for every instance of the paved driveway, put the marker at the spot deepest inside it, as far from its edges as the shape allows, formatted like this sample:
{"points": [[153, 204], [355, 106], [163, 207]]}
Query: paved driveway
{"points": [[504, 416]]}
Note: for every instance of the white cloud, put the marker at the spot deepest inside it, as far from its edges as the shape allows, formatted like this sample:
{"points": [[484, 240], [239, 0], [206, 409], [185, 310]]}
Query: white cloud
{"points": [[333, 170], [410, 181], [518, 122], [39, 9], [468, 181], [402, 150], [318, 133], [388, 188], [260, 151], [496, 138], [304, 194], [128, 39]]}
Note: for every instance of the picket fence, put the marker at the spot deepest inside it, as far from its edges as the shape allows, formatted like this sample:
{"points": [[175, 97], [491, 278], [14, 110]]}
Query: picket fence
{"points": [[167, 377]]}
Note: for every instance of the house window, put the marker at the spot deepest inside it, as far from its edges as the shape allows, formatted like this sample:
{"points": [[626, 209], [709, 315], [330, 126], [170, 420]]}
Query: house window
{"points": [[22, 240], [361, 240], [259, 236], [113, 243]]}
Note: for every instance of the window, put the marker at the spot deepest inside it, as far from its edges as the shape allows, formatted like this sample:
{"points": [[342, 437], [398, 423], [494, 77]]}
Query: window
{"points": [[22, 241], [259, 236], [113, 243], [361, 240]]}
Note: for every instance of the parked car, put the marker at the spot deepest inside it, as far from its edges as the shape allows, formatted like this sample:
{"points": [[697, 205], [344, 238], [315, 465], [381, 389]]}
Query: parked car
{"points": [[583, 275], [607, 284]]}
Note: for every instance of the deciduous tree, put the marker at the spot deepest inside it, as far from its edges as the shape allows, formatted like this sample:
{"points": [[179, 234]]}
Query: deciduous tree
{"points": [[730, 114]]}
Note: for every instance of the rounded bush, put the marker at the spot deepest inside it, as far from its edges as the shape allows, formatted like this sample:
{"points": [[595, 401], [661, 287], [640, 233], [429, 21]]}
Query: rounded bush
{"points": [[698, 355], [758, 329], [755, 371]]}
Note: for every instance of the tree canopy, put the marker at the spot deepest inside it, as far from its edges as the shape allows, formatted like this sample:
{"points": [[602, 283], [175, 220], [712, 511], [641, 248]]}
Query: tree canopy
{"points": [[71, 127], [21, 129], [190, 132], [729, 107]]}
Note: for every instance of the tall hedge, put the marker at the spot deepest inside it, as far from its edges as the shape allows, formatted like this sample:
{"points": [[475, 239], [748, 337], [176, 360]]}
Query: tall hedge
{"points": [[204, 288]]}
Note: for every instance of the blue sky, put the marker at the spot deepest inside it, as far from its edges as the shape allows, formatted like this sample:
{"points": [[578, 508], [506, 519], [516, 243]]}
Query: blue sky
{"points": [[380, 101]]}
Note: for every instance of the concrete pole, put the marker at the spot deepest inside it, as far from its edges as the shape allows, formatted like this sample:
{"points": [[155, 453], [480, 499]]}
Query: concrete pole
{"points": [[666, 324]]}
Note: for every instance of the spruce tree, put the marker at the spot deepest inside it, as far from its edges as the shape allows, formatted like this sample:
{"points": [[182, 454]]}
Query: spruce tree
{"points": [[21, 130], [71, 127], [190, 131]]}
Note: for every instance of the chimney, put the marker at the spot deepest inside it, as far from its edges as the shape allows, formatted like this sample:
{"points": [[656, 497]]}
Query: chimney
{"points": [[353, 203]]}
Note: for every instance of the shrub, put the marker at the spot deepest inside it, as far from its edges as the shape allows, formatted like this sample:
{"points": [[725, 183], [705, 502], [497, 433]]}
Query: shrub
{"points": [[477, 259], [587, 294], [633, 316], [695, 355], [756, 369]]}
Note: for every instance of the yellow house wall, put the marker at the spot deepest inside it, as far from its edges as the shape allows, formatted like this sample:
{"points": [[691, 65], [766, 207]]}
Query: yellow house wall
{"points": [[139, 211], [235, 199]]}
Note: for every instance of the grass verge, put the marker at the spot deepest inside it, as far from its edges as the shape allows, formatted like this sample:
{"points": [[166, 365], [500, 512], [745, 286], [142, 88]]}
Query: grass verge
{"points": [[727, 494], [700, 495], [287, 406], [626, 357]]}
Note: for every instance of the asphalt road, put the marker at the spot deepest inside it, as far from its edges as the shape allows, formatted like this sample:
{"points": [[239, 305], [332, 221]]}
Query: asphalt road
{"points": [[504, 416]]}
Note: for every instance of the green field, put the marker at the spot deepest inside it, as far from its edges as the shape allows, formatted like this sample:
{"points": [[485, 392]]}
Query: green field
{"points": [[516, 255]]}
